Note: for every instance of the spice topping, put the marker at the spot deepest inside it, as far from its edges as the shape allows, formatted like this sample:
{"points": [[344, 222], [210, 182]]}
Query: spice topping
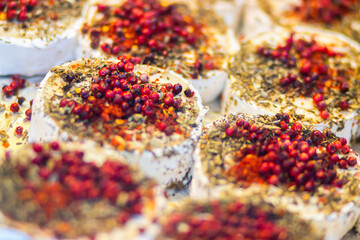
{"points": [[37, 18], [121, 104], [276, 150], [58, 189], [338, 15], [18, 9], [233, 219], [164, 34], [326, 11], [300, 67]]}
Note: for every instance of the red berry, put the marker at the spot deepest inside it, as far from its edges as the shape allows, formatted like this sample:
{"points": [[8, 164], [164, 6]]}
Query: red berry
{"points": [[294, 171], [104, 71], [22, 16], [330, 148], [344, 105], [144, 77], [19, 130], [264, 168], [11, 14], [303, 157], [345, 149], [129, 67], [321, 105], [351, 161], [309, 186], [240, 122], [189, 93], [44, 173], [273, 180], [33, 3], [109, 94], [324, 114], [334, 158], [77, 109], [141, 40], [55, 146], [344, 87], [177, 103], [112, 67], [317, 98], [37, 147], [154, 96], [285, 81], [14, 107], [285, 117], [305, 68], [169, 86], [148, 110], [12, 4], [337, 183], [145, 91], [177, 88], [162, 126], [115, 50], [8, 91], [28, 114], [338, 144], [320, 174], [152, 43], [230, 131], [168, 100], [63, 102], [297, 127], [283, 125], [102, 7], [127, 96], [342, 164]]}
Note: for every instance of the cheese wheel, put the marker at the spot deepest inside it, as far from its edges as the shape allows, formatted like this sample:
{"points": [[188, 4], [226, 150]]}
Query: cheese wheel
{"points": [[45, 36], [311, 72], [70, 191], [153, 117], [313, 174], [197, 47]]}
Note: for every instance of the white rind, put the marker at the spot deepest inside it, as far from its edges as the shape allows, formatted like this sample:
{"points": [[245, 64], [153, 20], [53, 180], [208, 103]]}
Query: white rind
{"points": [[234, 103], [332, 225], [33, 57], [166, 165], [209, 87]]}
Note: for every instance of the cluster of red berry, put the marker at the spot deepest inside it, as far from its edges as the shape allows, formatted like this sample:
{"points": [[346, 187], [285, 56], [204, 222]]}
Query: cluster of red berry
{"points": [[315, 78], [17, 9], [151, 28], [78, 180], [326, 11], [289, 155], [223, 220], [117, 93]]}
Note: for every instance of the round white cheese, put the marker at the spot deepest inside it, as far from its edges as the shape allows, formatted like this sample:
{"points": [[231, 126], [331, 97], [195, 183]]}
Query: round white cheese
{"points": [[26, 53], [233, 102], [130, 230], [167, 165], [333, 225], [210, 86]]}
